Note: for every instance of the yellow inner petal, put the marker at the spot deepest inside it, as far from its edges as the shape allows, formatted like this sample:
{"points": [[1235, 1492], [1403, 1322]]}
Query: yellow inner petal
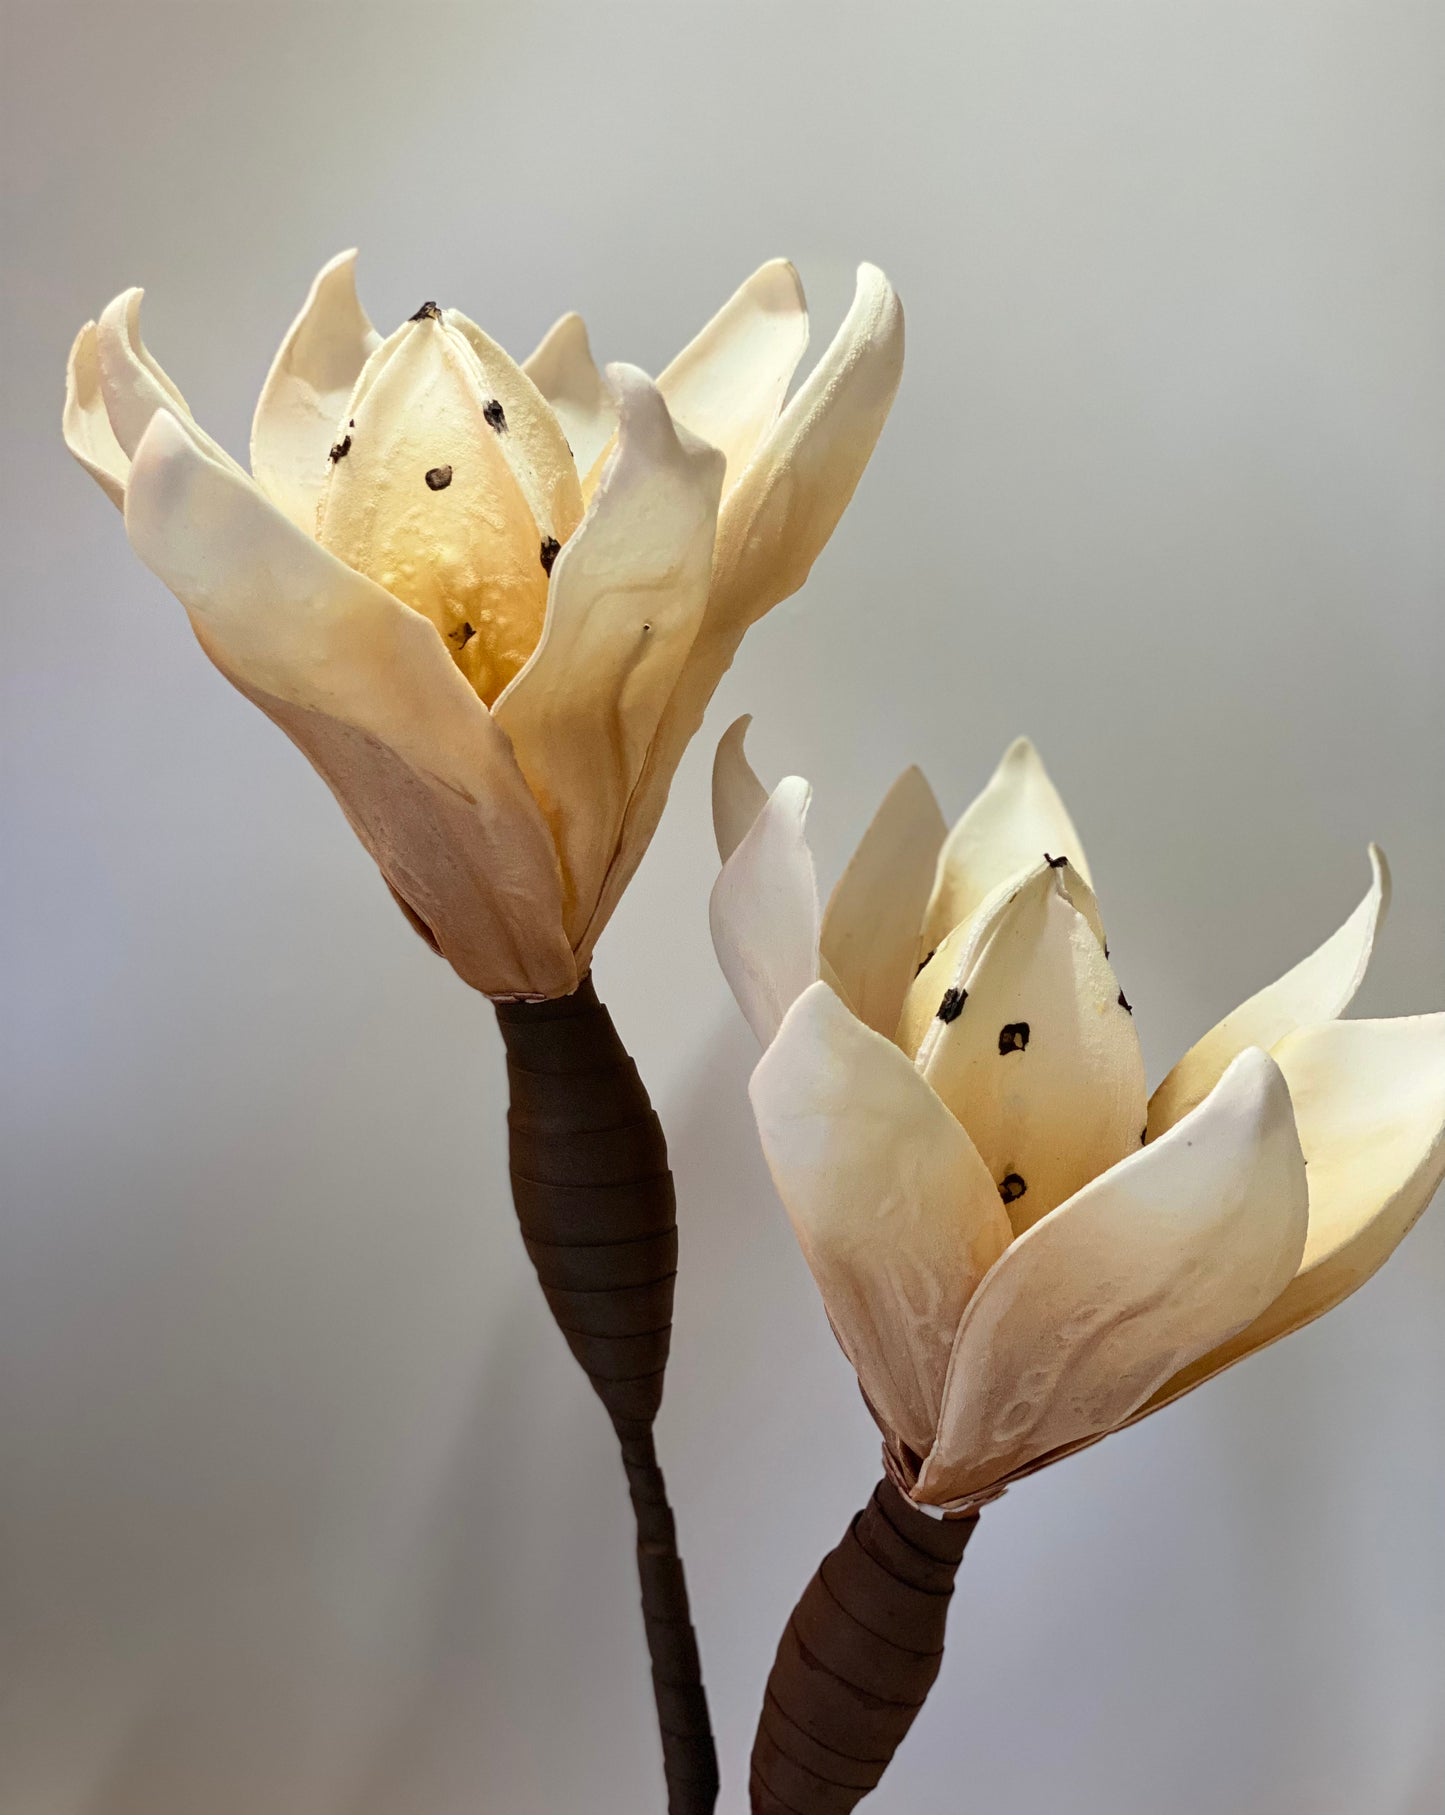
{"points": [[422, 499]]}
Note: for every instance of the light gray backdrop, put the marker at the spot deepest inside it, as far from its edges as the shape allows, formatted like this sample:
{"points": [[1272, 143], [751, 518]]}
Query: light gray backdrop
{"points": [[304, 1509]]}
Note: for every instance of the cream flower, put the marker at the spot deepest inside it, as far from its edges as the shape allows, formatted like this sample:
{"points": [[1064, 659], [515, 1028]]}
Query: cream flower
{"points": [[490, 602], [1018, 1249]]}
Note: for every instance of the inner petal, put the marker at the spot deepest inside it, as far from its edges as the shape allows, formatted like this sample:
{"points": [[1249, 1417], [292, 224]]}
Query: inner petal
{"points": [[422, 498], [1032, 1045]]}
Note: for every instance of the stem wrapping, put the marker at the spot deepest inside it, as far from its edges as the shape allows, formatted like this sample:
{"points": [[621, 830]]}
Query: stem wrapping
{"points": [[857, 1659], [595, 1201]]}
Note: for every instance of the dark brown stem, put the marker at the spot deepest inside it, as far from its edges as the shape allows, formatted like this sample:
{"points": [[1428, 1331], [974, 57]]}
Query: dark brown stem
{"points": [[857, 1659], [594, 1198]]}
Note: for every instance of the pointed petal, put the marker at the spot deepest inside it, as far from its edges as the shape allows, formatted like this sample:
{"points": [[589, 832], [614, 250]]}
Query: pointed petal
{"points": [[424, 498], [628, 591], [301, 413], [1317, 989], [737, 794], [533, 439], [133, 386], [1034, 1050], [86, 426], [870, 929], [774, 524], [1369, 1098], [764, 911], [1169, 1253], [563, 370], [728, 384], [1016, 820], [366, 689], [894, 1211]]}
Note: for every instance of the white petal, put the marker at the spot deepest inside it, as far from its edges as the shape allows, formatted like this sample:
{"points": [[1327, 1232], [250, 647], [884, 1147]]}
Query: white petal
{"points": [[764, 911], [1369, 1098], [774, 524], [728, 384], [1017, 819], [367, 690], [737, 794], [563, 370], [1317, 989], [132, 385], [533, 440], [1032, 1046], [628, 591], [894, 1211], [870, 929], [301, 413], [1171, 1252], [86, 426]]}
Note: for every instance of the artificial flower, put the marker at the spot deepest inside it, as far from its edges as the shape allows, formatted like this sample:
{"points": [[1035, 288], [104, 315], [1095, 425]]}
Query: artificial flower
{"points": [[490, 601], [1018, 1247]]}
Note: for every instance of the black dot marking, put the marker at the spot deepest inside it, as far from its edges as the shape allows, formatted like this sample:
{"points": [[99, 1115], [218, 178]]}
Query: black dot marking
{"points": [[551, 548], [1056, 863], [1014, 1037], [1106, 948], [352, 423], [496, 416], [951, 1007], [439, 478], [924, 963], [1124, 1003], [1143, 1136], [462, 635], [428, 312], [1011, 1188], [340, 450]]}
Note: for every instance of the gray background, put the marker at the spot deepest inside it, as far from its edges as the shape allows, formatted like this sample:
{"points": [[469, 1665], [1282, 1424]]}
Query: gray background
{"points": [[304, 1510]]}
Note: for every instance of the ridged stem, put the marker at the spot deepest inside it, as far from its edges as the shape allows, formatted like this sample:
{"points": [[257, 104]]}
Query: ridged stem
{"points": [[857, 1659], [595, 1201]]}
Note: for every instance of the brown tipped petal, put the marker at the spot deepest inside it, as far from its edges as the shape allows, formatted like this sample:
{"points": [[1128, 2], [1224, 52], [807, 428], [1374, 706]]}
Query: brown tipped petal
{"points": [[85, 424], [1317, 989], [1168, 1254], [870, 929], [301, 413], [1032, 1047], [1369, 1098], [1016, 820], [365, 688], [764, 911], [728, 384], [893, 1208], [564, 371], [626, 597], [774, 524]]}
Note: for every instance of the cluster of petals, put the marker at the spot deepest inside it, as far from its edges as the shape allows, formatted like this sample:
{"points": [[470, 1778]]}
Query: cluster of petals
{"points": [[491, 601], [1019, 1248]]}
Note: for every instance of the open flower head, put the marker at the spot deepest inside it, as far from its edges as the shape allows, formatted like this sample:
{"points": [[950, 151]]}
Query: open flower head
{"points": [[1019, 1248], [491, 601]]}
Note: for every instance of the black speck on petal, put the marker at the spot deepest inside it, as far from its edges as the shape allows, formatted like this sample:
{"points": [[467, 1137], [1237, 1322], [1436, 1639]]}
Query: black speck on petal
{"points": [[1143, 1136], [1014, 1037], [551, 548], [1124, 1003], [951, 1007], [439, 478], [496, 416], [1056, 863], [340, 450], [1011, 1187], [462, 635], [924, 963], [428, 312]]}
